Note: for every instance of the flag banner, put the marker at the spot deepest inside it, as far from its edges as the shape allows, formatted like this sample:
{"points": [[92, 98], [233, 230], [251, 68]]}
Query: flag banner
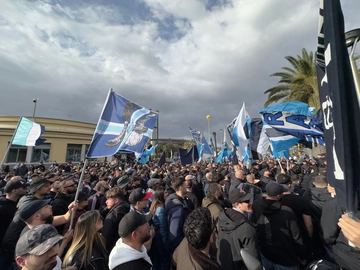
{"points": [[302, 126], [28, 133], [171, 157], [280, 142], [162, 160], [223, 153], [144, 157], [188, 156], [339, 105], [240, 132], [233, 158], [201, 143], [123, 125], [258, 140]]}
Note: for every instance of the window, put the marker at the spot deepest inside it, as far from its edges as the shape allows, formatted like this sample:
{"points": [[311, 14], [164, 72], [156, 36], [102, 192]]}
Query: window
{"points": [[73, 152], [41, 153], [17, 154]]}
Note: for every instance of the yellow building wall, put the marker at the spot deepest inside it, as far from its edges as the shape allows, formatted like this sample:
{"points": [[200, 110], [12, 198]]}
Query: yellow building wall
{"points": [[59, 133]]}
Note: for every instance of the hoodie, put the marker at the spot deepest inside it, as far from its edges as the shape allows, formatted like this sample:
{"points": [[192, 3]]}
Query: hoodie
{"points": [[7, 212], [235, 232], [178, 211], [278, 232], [123, 253]]}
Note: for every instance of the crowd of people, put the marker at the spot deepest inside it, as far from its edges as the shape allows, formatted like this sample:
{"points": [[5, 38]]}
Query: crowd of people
{"points": [[282, 214]]}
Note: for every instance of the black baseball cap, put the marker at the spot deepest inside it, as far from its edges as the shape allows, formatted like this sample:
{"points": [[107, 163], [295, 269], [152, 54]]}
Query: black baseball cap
{"points": [[238, 195], [131, 221], [15, 184], [139, 194], [274, 189]]}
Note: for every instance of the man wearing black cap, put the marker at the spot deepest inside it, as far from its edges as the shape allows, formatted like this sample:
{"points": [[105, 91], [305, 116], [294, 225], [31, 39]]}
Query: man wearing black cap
{"points": [[38, 248], [281, 243], [129, 252], [38, 189], [139, 199], [14, 190], [236, 231]]}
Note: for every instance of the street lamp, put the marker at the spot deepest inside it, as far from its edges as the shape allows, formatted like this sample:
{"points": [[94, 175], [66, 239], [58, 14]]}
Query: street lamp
{"points": [[352, 37], [208, 117], [35, 102]]}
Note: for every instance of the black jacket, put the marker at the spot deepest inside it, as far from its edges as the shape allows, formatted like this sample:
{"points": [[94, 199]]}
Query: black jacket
{"points": [[15, 228], [111, 224], [61, 203], [7, 212], [235, 232], [278, 232], [345, 255], [317, 197], [99, 259], [139, 264]]}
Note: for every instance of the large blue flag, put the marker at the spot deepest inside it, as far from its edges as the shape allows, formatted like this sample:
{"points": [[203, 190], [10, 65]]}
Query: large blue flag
{"points": [[28, 133], [294, 118], [201, 143], [123, 125]]}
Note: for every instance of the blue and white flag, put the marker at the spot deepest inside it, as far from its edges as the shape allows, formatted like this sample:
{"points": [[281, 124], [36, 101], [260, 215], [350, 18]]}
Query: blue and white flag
{"points": [[171, 157], [144, 157], [223, 153], [201, 143], [280, 142], [239, 135], [123, 125], [294, 118], [28, 133]]}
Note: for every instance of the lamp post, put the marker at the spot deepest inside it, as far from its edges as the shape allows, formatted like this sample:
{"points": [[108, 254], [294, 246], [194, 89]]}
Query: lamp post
{"points": [[352, 37], [208, 117], [35, 102], [221, 137], [157, 127]]}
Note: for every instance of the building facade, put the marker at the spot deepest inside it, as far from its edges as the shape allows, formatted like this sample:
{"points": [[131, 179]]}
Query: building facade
{"points": [[65, 141]]}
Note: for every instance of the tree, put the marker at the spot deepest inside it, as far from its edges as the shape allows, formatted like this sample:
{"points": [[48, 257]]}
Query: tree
{"points": [[188, 144], [296, 83]]}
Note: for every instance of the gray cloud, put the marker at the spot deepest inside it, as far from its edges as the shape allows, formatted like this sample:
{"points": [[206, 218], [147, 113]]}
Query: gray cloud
{"points": [[182, 58]]}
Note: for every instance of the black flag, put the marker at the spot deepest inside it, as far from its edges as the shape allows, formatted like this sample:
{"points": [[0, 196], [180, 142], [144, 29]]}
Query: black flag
{"points": [[188, 156], [162, 160], [339, 103]]}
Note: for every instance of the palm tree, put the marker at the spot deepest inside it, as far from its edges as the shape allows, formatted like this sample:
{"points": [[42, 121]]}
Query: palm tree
{"points": [[296, 83]]}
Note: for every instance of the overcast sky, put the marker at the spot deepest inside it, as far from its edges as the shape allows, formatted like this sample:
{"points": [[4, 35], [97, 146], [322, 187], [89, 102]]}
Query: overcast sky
{"points": [[185, 58]]}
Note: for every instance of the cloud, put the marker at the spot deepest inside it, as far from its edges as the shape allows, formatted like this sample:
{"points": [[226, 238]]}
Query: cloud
{"points": [[186, 59]]}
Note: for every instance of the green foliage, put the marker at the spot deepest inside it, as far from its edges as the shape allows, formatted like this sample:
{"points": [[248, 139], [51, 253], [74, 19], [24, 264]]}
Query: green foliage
{"points": [[296, 83]]}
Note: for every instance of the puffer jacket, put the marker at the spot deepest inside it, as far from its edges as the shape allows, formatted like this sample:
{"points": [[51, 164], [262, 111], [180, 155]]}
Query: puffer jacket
{"points": [[178, 211]]}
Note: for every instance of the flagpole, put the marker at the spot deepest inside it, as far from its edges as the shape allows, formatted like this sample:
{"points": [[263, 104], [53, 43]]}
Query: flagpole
{"points": [[9, 146], [77, 192]]}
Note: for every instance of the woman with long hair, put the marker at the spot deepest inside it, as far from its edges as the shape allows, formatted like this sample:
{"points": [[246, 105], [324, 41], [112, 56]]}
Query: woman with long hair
{"points": [[87, 251], [160, 254]]}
